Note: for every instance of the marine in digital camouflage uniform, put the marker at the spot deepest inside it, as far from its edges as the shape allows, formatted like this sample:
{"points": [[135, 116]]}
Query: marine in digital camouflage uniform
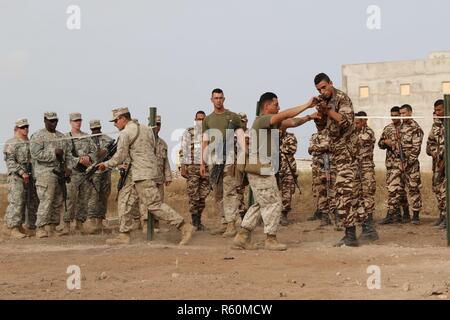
{"points": [[288, 173], [390, 141], [436, 149], [22, 197], [197, 187], [49, 152]]}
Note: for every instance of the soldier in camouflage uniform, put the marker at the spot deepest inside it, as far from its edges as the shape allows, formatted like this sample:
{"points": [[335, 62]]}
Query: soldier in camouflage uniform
{"points": [[50, 152], [83, 151], [337, 110], [164, 174], [436, 149], [20, 183], [288, 172], [198, 187], [365, 178], [390, 141], [411, 136], [98, 198], [324, 175]]}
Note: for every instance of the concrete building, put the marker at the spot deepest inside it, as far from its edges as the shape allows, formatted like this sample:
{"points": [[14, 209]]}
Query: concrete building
{"points": [[376, 87]]}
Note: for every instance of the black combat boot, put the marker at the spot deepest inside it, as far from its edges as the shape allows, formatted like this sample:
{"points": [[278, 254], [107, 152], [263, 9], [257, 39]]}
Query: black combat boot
{"points": [[439, 221], [325, 221], [316, 216], [415, 220], [368, 231], [349, 239], [195, 219], [397, 216], [389, 218], [284, 218], [406, 217], [200, 226]]}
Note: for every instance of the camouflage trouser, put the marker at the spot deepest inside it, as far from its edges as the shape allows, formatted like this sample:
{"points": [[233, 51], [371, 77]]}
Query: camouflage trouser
{"points": [[365, 188], [287, 189], [412, 181], [396, 188], [98, 201], [439, 189], [326, 203], [267, 204], [226, 196], [77, 198], [51, 201], [130, 207], [315, 180], [198, 189], [344, 187], [17, 203], [149, 198]]}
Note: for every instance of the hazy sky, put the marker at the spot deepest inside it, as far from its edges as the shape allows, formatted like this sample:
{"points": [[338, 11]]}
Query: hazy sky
{"points": [[171, 54]]}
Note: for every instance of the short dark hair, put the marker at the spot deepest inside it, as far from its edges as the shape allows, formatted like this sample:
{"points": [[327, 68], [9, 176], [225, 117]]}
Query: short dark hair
{"points": [[361, 114], [321, 77], [217, 90], [200, 112], [439, 102], [406, 106], [395, 109], [266, 97], [126, 116]]}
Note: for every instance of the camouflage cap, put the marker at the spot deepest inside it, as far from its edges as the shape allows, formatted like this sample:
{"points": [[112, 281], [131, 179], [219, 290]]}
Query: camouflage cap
{"points": [[49, 115], [243, 116], [74, 116], [119, 112], [95, 124], [22, 123]]}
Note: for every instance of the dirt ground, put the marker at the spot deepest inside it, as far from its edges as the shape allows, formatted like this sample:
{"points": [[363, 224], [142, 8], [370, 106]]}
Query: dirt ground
{"points": [[414, 263]]}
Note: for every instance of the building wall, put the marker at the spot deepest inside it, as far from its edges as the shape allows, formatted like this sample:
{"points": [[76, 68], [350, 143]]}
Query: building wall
{"points": [[384, 79]]}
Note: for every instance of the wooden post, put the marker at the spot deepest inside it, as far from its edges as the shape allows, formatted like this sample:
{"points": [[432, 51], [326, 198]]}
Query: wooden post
{"points": [[150, 220]]}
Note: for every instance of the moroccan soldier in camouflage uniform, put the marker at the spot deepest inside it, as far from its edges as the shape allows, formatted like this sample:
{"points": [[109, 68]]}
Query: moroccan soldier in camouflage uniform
{"points": [[336, 108], [20, 183], [83, 151], [411, 136], [198, 187], [98, 198], [138, 143], [241, 181], [365, 178], [288, 173], [390, 141], [215, 127], [261, 169], [324, 175], [50, 152], [436, 149]]}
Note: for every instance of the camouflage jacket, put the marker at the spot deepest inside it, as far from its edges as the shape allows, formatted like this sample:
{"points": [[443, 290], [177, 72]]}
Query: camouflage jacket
{"points": [[342, 135], [319, 146], [42, 148], [411, 136], [191, 146], [79, 148], [390, 132], [436, 142], [164, 173], [366, 144], [17, 156], [288, 148], [100, 142]]}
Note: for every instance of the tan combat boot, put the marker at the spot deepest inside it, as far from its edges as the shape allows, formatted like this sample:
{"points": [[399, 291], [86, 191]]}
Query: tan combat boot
{"points": [[79, 228], [219, 230], [27, 231], [272, 243], [66, 229], [91, 226], [122, 238], [187, 230], [50, 228], [41, 233], [242, 241], [16, 234], [231, 230]]}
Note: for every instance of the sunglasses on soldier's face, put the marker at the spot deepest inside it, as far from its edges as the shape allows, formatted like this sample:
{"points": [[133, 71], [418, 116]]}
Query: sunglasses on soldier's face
{"points": [[24, 127]]}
